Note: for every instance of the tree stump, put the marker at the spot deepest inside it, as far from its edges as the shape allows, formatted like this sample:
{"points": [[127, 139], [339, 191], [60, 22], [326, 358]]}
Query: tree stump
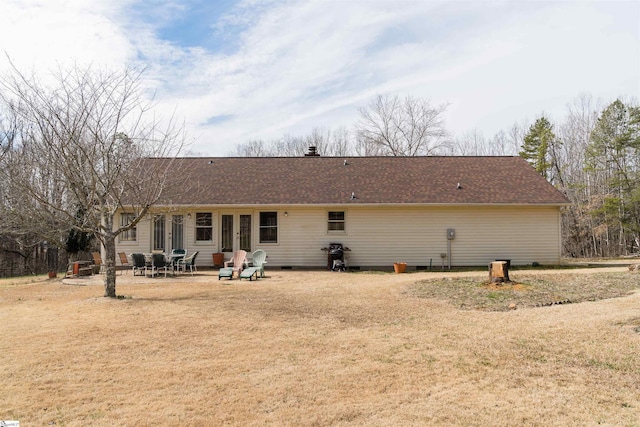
{"points": [[499, 272]]}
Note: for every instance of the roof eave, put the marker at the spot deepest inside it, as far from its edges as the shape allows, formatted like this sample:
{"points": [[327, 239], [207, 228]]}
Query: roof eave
{"points": [[356, 204]]}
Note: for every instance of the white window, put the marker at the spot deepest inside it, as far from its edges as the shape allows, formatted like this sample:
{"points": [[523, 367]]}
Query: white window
{"points": [[268, 227], [131, 234], [335, 221], [204, 227]]}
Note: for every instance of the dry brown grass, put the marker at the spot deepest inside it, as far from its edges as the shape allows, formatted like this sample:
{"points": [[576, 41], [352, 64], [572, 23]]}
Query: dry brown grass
{"points": [[311, 348]]}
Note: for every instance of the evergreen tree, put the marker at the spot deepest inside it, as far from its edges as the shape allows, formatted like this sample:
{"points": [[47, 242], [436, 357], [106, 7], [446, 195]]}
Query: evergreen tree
{"points": [[614, 155], [539, 145]]}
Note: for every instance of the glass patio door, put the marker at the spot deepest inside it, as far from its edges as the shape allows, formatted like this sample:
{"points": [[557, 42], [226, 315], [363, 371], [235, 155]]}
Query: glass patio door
{"points": [[226, 233], [159, 230], [244, 234], [163, 233], [177, 232], [235, 232]]}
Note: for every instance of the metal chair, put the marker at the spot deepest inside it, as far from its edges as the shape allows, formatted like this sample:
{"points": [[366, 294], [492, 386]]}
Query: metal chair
{"points": [[190, 262], [139, 264], [159, 262]]}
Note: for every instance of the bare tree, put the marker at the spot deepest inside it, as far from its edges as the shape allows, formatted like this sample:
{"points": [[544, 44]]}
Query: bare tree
{"points": [[470, 144], [328, 143], [290, 146], [516, 134], [501, 145], [475, 144], [254, 148], [339, 143], [401, 127], [80, 155], [16, 246]]}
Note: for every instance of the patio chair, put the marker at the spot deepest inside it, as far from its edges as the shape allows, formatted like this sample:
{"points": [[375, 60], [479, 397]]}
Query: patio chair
{"points": [[190, 262], [176, 256], [225, 272], [259, 259], [139, 264], [238, 261], [98, 267], [124, 261], [249, 273], [159, 262]]}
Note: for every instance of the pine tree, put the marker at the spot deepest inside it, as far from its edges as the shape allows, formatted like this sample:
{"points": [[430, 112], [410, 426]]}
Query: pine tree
{"points": [[614, 153], [539, 145]]}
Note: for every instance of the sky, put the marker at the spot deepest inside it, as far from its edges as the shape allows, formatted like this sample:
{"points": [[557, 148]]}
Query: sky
{"points": [[243, 70]]}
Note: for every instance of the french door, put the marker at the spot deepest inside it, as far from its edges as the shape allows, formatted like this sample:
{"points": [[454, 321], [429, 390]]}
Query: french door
{"points": [[235, 232], [175, 233], [159, 233]]}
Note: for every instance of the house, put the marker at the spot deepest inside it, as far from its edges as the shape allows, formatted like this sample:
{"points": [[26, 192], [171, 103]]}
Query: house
{"points": [[425, 211]]}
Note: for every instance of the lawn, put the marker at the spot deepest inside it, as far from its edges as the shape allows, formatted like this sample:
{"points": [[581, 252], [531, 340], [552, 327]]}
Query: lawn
{"points": [[317, 348]]}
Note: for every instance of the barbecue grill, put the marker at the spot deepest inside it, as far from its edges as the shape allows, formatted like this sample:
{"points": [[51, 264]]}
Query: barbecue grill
{"points": [[335, 257]]}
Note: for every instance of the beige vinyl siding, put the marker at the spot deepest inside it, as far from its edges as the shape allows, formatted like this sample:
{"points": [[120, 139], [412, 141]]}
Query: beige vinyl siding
{"points": [[143, 239], [205, 249], [380, 236], [301, 235], [418, 236]]}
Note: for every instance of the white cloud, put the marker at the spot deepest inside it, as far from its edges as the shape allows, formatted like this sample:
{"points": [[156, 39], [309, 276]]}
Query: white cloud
{"points": [[42, 34], [296, 65]]}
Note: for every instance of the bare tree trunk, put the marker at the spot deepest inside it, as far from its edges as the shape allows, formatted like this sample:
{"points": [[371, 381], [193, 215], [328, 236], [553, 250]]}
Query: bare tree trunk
{"points": [[109, 255], [110, 265]]}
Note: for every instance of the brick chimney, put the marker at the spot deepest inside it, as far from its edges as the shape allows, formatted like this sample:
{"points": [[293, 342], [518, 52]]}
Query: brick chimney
{"points": [[313, 152]]}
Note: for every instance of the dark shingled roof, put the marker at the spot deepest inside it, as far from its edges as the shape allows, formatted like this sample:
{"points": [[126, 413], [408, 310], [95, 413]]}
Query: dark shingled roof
{"points": [[372, 180]]}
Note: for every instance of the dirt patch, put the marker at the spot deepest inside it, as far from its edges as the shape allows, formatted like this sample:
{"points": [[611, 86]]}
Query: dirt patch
{"points": [[530, 290]]}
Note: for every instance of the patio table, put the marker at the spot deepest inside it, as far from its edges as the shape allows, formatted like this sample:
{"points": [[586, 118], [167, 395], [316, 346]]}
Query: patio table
{"points": [[148, 258]]}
